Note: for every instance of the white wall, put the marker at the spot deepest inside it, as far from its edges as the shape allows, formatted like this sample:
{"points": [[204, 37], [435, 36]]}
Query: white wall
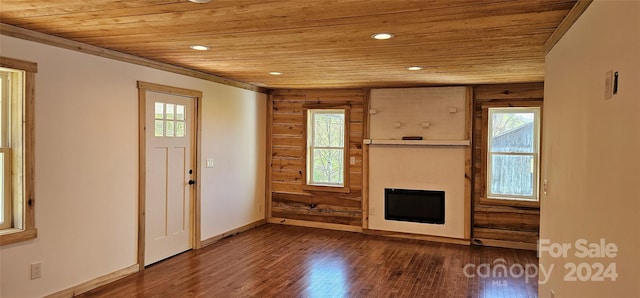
{"points": [[86, 159], [591, 154]]}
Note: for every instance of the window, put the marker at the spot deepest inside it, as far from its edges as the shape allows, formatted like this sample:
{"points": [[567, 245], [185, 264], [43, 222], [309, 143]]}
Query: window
{"points": [[6, 215], [513, 153], [327, 145], [16, 150], [169, 120]]}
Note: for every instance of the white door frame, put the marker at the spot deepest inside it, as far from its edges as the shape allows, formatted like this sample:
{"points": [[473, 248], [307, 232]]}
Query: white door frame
{"points": [[143, 87]]}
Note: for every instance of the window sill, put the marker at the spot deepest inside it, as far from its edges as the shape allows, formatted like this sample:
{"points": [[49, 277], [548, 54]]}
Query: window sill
{"points": [[326, 188], [511, 202], [9, 231], [9, 236]]}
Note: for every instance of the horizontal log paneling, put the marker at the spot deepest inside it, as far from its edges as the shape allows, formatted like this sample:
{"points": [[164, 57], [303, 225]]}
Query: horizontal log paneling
{"points": [[289, 199], [303, 212], [507, 235], [500, 224], [351, 200], [284, 187], [287, 176], [530, 91], [285, 129], [319, 210], [288, 140], [506, 219], [288, 153], [287, 164]]}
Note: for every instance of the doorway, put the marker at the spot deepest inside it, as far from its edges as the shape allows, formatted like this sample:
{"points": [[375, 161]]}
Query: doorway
{"points": [[168, 197]]}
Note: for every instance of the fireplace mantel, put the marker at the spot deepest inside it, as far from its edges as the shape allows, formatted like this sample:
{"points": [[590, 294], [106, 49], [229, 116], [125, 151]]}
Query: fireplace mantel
{"points": [[418, 142]]}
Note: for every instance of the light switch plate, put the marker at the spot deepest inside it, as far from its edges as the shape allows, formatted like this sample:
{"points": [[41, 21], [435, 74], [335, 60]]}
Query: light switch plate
{"points": [[210, 163]]}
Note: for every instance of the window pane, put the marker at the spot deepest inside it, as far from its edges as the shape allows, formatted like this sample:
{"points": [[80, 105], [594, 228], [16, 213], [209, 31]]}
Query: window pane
{"points": [[179, 129], [2, 188], [512, 175], [180, 112], [512, 132], [328, 130], [2, 108], [159, 128], [170, 129], [170, 111], [159, 110], [327, 166]]}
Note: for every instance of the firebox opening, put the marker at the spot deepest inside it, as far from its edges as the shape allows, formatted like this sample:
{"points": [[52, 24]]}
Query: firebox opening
{"points": [[423, 206]]}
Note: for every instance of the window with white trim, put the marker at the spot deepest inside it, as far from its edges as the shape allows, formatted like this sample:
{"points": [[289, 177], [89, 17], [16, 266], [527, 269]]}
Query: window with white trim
{"points": [[513, 158], [326, 143]]}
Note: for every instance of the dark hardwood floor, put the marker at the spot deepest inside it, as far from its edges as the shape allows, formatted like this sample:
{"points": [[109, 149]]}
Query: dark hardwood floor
{"points": [[288, 261]]}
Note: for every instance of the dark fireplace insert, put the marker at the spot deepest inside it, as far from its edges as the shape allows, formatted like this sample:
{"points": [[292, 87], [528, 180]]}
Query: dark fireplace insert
{"points": [[423, 206]]}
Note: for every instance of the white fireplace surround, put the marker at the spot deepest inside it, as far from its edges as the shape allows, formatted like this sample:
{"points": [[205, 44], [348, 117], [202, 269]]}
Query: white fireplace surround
{"points": [[441, 116], [421, 168]]}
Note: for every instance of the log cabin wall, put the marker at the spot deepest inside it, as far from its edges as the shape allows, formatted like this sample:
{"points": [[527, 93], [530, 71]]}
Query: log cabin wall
{"points": [[287, 200], [505, 224]]}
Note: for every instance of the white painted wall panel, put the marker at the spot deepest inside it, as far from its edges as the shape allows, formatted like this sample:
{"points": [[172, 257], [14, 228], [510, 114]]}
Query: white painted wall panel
{"points": [[413, 107], [591, 150], [87, 165]]}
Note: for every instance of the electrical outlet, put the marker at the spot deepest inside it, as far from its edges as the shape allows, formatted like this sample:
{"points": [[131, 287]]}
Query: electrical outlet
{"points": [[372, 210], [545, 186], [36, 270], [352, 160]]}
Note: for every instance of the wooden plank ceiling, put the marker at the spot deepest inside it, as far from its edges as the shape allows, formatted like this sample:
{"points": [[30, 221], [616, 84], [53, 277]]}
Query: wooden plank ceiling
{"points": [[315, 44]]}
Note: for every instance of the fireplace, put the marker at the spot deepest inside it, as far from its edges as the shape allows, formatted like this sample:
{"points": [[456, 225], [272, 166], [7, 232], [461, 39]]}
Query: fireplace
{"points": [[408, 180], [421, 206]]}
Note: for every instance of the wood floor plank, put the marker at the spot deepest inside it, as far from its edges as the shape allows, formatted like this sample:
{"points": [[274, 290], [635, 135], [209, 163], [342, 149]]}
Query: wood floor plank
{"points": [[289, 261]]}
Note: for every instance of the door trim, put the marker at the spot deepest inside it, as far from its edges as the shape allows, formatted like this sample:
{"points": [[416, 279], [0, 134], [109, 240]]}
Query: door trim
{"points": [[143, 87]]}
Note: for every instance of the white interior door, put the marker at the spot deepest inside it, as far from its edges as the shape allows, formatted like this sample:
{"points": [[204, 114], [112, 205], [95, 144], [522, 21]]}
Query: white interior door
{"points": [[169, 171]]}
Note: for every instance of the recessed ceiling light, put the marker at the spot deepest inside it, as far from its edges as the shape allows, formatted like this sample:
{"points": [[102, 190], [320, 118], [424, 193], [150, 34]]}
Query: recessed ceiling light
{"points": [[275, 73], [200, 1], [414, 68], [382, 36], [199, 48]]}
